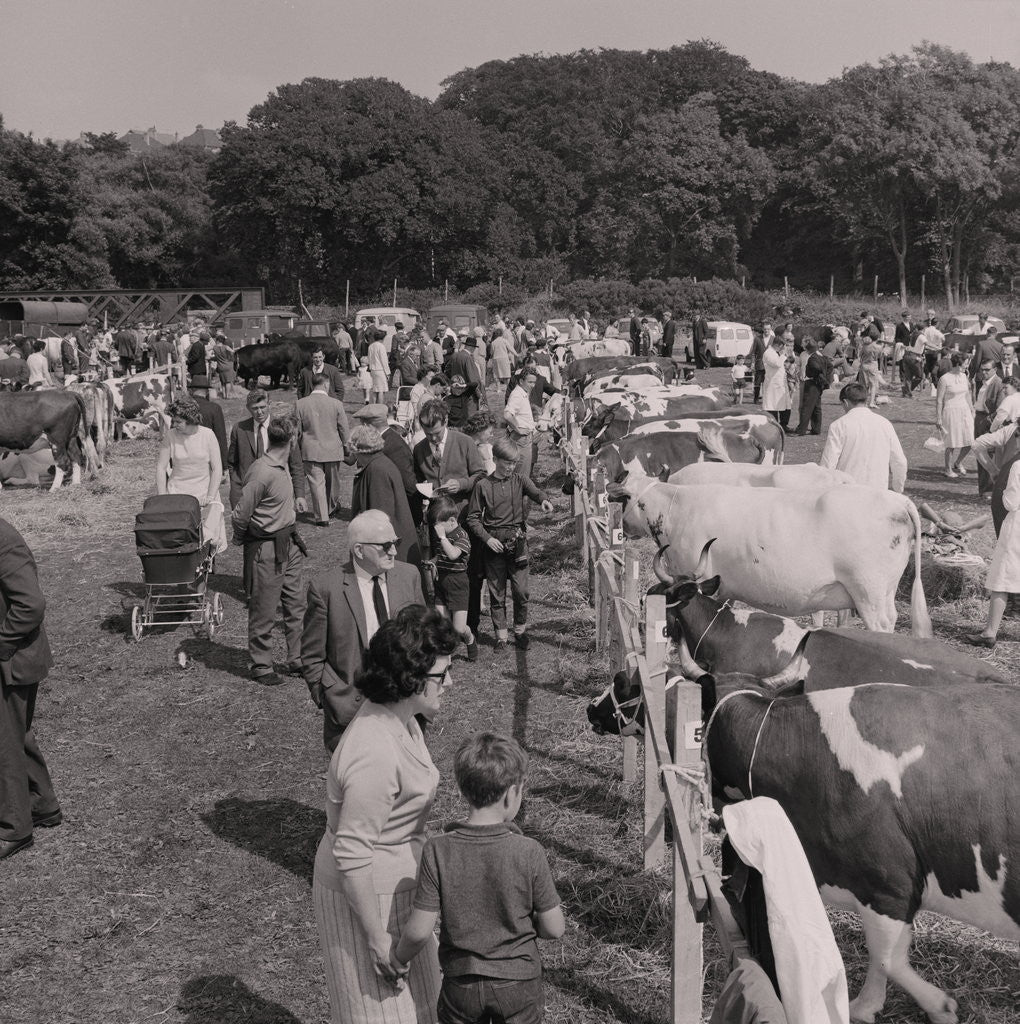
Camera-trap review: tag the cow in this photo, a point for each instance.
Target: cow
(584, 371)
(274, 360)
(903, 798)
(652, 452)
(100, 411)
(626, 381)
(799, 552)
(712, 636)
(610, 423)
(60, 415)
(758, 428)
(808, 476)
(142, 397)
(588, 349)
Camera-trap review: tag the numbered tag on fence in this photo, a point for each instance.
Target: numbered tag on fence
(693, 734)
(602, 500)
(618, 536)
(660, 631)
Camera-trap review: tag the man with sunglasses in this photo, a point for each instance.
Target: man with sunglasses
(343, 612)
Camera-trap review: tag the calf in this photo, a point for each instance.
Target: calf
(61, 415)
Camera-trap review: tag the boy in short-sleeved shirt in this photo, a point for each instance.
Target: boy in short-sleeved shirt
(494, 892)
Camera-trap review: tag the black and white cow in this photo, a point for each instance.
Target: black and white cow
(903, 797)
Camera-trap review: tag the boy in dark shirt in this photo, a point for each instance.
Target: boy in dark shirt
(450, 551)
(496, 516)
(492, 888)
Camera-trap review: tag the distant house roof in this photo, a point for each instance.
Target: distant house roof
(203, 138)
(139, 141)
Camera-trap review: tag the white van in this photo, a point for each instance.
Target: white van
(387, 316)
(726, 340)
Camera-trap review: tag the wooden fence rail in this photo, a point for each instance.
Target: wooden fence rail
(671, 782)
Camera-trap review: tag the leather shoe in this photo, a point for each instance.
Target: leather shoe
(472, 651)
(266, 678)
(294, 668)
(979, 640)
(522, 640)
(9, 847)
(51, 820)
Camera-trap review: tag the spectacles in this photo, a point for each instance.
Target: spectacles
(444, 679)
(386, 545)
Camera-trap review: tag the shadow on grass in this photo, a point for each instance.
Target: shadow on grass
(522, 697)
(216, 656)
(228, 584)
(282, 831)
(571, 983)
(594, 798)
(225, 999)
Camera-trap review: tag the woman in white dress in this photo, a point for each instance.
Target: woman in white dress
(189, 463)
(1003, 576)
(954, 416)
(775, 396)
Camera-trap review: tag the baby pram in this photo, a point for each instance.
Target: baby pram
(176, 562)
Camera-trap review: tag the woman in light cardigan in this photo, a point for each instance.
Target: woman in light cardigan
(379, 791)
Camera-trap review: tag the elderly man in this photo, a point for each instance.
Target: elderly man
(27, 799)
(864, 444)
(264, 524)
(13, 371)
(345, 609)
(323, 433)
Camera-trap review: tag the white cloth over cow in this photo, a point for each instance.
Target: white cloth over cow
(812, 980)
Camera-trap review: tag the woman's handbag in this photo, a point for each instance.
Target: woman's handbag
(935, 442)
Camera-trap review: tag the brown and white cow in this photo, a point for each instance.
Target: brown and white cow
(60, 415)
(143, 397)
(99, 414)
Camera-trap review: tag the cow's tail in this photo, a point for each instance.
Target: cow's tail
(87, 458)
(710, 437)
(920, 622)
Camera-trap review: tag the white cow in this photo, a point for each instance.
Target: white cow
(795, 552)
(584, 349)
(623, 382)
(807, 477)
(653, 401)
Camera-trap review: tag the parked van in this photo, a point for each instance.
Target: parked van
(726, 340)
(457, 316)
(252, 325)
(386, 318)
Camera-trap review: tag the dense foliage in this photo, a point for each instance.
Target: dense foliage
(628, 166)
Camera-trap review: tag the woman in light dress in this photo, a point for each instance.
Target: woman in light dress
(775, 396)
(379, 791)
(189, 463)
(1003, 576)
(954, 416)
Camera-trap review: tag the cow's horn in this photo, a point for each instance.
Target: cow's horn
(702, 566)
(658, 565)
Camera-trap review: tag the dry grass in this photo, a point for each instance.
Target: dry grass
(178, 889)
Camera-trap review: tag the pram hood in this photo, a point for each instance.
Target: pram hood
(169, 523)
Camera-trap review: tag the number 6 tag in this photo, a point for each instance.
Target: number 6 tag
(618, 536)
(603, 499)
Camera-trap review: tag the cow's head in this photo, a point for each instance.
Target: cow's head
(619, 709)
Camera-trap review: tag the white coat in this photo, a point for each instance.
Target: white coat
(775, 396)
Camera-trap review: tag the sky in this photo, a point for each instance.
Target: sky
(110, 65)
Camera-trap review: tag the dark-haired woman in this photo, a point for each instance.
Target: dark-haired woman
(954, 415)
(189, 463)
(379, 791)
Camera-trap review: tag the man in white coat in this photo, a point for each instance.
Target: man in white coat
(864, 444)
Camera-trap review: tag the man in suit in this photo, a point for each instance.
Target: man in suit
(446, 458)
(335, 379)
(323, 433)
(343, 612)
(396, 449)
(248, 442)
(462, 363)
(668, 333)
(212, 417)
(699, 334)
(27, 799)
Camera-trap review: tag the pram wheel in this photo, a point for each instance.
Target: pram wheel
(137, 624)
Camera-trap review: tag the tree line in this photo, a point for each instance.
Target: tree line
(604, 165)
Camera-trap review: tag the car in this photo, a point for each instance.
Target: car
(621, 328)
(314, 328)
(387, 317)
(725, 340)
(965, 323)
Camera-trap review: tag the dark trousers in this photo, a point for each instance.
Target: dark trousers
(910, 373)
(500, 567)
(26, 791)
(931, 362)
(810, 409)
(474, 999)
(759, 379)
(272, 587)
(345, 362)
(475, 575)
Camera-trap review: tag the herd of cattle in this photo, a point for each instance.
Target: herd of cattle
(894, 756)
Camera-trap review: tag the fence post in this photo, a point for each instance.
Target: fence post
(630, 593)
(786, 286)
(580, 489)
(876, 288)
(687, 932)
(922, 295)
(655, 705)
(832, 284)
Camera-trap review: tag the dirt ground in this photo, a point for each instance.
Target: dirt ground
(179, 887)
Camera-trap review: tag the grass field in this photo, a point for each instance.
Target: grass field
(179, 887)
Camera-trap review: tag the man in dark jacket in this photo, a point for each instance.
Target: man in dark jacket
(396, 449)
(27, 799)
(816, 380)
(699, 332)
(668, 333)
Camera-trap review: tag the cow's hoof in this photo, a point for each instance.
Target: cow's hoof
(946, 1013)
(862, 1014)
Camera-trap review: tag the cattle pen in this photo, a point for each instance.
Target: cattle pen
(673, 785)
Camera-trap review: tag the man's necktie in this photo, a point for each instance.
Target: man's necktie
(260, 448)
(378, 601)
